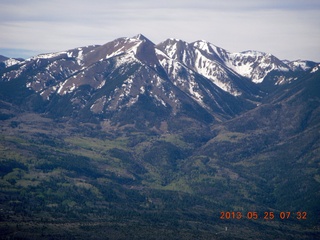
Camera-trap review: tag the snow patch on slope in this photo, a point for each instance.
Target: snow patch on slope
(47, 55)
(315, 69)
(11, 61)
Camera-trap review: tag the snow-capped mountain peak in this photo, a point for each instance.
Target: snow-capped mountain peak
(301, 65)
(206, 47)
(141, 37)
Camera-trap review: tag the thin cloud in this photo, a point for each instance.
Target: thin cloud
(288, 29)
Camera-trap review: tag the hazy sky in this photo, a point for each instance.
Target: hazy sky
(289, 29)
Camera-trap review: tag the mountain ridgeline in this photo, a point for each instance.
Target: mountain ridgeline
(134, 76)
(136, 140)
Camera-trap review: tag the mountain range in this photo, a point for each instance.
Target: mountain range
(146, 139)
(173, 76)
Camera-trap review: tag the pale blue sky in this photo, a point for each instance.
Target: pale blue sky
(289, 29)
